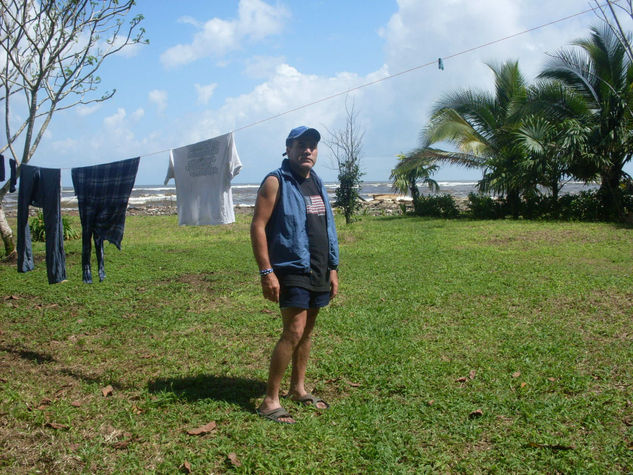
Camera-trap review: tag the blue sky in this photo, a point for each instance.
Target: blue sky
(215, 66)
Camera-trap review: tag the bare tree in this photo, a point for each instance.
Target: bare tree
(346, 146)
(53, 50)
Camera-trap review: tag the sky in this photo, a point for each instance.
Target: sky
(216, 66)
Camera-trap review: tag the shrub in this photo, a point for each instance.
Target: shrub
(38, 229)
(584, 206)
(481, 206)
(440, 206)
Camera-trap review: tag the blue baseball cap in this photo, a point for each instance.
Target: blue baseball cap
(300, 132)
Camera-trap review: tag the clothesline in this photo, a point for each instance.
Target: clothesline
(440, 62)
(398, 74)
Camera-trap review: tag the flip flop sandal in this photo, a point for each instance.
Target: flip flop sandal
(275, 415)
(311, 400)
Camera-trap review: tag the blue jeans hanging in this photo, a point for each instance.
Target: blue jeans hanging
(41, 187)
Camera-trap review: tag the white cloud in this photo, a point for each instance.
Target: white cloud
(138, 114)
(262, 67)
(188, 20)
(115, 120)
(286, 89)
(256, 20)
(158, 97)
(205, 92)
(85, 110)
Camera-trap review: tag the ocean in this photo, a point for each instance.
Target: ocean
(244, 194)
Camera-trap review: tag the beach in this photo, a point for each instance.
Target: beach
(378, 197)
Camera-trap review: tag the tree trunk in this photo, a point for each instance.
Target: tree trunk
(555, 192)
(7, 235)
(514, 202)
(413, 188)
(611, 195)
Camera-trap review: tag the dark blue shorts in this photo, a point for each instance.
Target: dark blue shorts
(299, 297)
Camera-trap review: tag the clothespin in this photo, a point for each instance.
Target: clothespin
(440, 64)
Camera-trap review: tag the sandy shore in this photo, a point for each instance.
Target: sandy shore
(380, 205)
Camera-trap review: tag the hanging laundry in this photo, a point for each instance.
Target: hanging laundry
(102, 193)
(41, 187)
(203, 174)
(14, 175)
(1, 167)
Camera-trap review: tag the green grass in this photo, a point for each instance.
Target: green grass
(536, 316)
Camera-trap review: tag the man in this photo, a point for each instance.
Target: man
(296, 248)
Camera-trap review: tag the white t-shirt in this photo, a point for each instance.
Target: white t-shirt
(203, 173)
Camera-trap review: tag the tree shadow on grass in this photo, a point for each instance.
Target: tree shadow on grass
(29, 355)
(207, 386)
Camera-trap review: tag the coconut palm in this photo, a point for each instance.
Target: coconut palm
(482, 126)
(411, 169)
(600, 72)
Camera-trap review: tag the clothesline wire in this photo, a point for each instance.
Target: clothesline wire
(391, 76)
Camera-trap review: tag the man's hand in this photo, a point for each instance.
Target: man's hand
(333, 283)
(270, 287)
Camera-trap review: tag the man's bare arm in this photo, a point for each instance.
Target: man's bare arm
(264, 205)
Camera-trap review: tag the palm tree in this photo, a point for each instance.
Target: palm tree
(553, 135)
(551, 150)
(482, 126)
(410, 170)
(600, 72)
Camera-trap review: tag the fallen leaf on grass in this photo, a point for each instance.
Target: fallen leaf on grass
(523, 384)
(628, 421)
(463, 379)
(136, 410)
(271, 312)
(472, 374)
(2, 380)
(185, 467)
(516, 374)
(56, 426)
(202, 430)
(330, 381)
(430, 403)
(234, 460)
(476, 413)
(62, 389)
(123, 444)
(12, 297)
(44, 403)
(354, 385)
(107, 391)
(76, 404)
(551, 379)
(534, 445)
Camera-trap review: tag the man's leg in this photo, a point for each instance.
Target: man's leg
(300, 359)
(294, 321)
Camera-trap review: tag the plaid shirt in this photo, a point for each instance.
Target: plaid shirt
(102, 193)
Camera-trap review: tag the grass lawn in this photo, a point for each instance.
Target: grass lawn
(454, 346)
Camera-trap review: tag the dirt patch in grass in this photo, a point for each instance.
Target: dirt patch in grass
(544, 236)
(607, 303)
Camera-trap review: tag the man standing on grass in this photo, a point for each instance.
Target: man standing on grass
(296, 248)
